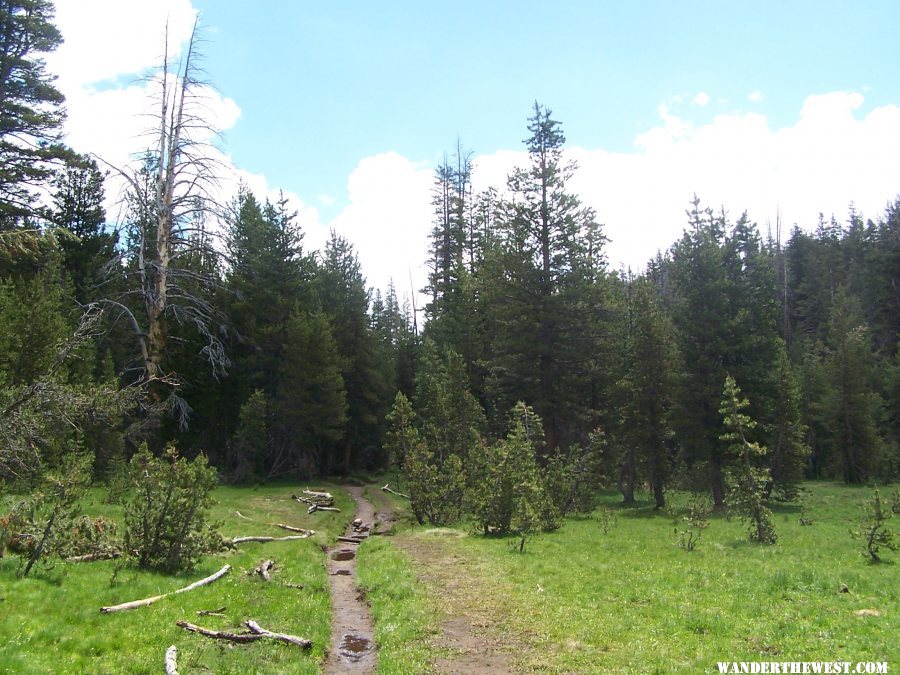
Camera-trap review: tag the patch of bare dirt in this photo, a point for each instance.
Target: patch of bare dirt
(472, 634)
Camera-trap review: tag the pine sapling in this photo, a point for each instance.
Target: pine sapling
(873, 529)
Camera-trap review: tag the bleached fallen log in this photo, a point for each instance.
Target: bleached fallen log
(293, 537)
(91, 557)
(241, 515)
(294, 529)
(219, 634)
(172, 661)
(264, 568)
(317, 507)
(281, 637)
(393, 492)
(149, 601)
(327, 496)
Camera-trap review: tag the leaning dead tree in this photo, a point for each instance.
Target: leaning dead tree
(169, 249)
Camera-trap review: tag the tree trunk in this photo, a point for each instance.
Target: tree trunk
(627, 478)
(717, 483)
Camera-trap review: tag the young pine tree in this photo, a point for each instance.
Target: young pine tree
(748, 483)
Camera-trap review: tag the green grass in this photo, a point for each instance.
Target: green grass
(633, 601)
(50, 622)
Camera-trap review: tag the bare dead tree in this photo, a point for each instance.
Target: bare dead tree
(171, 257)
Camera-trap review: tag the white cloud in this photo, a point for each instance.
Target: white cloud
(701, 99)
(756, 96)
(829, 158)
(388, 218)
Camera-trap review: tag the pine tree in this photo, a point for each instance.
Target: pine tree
(31, 107)
(747, 494)
(789, 451)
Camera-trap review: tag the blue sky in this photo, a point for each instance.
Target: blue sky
(783, 108)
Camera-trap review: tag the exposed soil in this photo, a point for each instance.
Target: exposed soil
(352, 628)
(471, 633)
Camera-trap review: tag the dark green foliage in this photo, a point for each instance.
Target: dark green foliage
(873, 529)
(436, 489)
(746, 498)
(788, 451)
(401, 432)
(310, 402)
(573, 477)
(250, 443)
(507, 491)
(30, 106)
(54, 508)
(166, 511)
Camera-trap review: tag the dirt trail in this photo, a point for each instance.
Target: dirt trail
(470, 630)
(352, 628)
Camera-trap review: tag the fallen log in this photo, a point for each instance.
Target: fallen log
(91, 557)
(281, 637)
(172, 661)
(219, 634)
(264, 568)
(149, 601)
(317, 507)
(393, 492)
(211, 612)
(327, 496)
(294, 537)
(241, 515)
(294, 529)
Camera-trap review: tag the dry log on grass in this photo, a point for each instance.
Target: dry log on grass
(172, 661)
(321, 496)
(149, 601)
(241, 515)
(317, 507)
(281, 637)
(264, 569)
(219, 634)
(211, 612)
(393, 492)
(294, 529)
(91, 557)
(293, 537)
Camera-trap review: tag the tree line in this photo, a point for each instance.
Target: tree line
(216, 328)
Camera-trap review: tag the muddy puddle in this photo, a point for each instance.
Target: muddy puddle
(354, 647)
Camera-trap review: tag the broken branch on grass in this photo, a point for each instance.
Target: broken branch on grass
(149, 601)
(264, 568)
(241, 515)
(172, 661)
(243, 540)
(281, 637)
(211, 612)
(219, 634)
(91, 557)
(316, 507)
(393, 492)
(293, 529)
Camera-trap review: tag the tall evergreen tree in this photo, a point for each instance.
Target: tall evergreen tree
(31, 107)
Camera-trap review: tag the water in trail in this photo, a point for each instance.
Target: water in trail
(352, 628)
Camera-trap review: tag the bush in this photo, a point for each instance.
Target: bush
(165, 513)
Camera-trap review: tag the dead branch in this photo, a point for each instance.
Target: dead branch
(219, 634)
(282, 637)
(211, 612)
(393, 492)
(293, 529)
(91, 557)
(242, 540)
(241, 515)
(149, 601)
(264, 568)
(316, 507)
(326, 496)
(172, 661)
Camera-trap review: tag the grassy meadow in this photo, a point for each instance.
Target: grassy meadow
(577, 600)
(50, 622)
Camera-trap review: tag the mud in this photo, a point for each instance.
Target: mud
(352, 628)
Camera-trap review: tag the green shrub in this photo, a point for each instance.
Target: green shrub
(165, 513)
